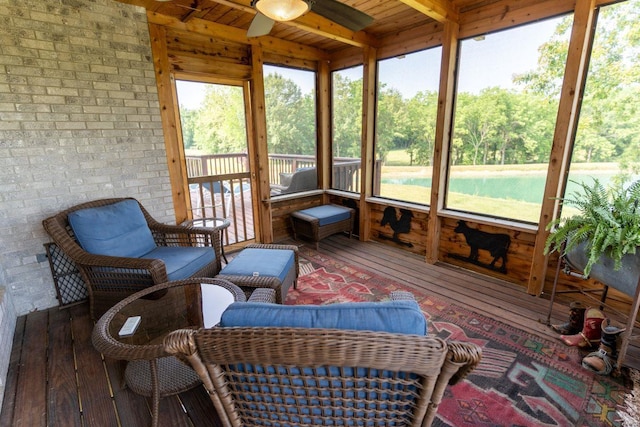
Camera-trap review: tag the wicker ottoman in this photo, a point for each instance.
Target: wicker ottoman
(264, 266)
(322, 221)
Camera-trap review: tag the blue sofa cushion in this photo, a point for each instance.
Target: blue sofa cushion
(182, 262)
(265, 262)
(119, 230)
(328, 214)
(402, 317)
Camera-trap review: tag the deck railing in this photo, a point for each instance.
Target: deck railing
(224, 196)
(346, 170)
(219, 186)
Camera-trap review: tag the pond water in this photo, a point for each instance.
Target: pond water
(526, 188)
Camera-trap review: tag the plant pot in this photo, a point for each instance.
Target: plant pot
(625, 279)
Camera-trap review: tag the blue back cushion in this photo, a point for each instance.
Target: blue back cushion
(328, 214)
(266, 262)
(402, 317)
(119, 229)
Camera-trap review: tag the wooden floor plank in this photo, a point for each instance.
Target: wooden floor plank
(9, 400)
(63, 405)
(199, 407)
(132, 408)
(172, 413)
(31, 402)
(93, 386)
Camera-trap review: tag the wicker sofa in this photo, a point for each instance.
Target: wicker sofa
(120, 249)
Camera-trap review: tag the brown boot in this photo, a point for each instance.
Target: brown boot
(603, 361)
(591, 330)
(576, 320)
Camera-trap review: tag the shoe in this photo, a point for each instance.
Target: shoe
(576, 320)
(603, 361)
(591, 330)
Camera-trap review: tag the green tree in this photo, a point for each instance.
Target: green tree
(347, 116)
(290, 117)
(218, 126)
(421, 112)
(391, 122)
(609, 125)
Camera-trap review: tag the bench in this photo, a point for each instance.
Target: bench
(322, 221)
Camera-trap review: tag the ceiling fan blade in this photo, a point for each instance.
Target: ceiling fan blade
(260, 26)
(342, 14)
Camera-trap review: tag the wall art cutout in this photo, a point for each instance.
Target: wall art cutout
(496, 244)
(398, 225)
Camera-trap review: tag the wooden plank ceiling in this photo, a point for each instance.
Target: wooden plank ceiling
(389, 18)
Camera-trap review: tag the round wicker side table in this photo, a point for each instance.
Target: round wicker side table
(150, 371)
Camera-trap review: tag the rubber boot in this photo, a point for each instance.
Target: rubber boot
(591, 330)
(603, 361)
(576, 320)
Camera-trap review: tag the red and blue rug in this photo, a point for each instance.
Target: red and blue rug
(523, 380)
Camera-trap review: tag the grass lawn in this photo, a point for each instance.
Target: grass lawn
(397, 166)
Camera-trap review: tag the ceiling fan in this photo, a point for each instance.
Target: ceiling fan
(270, 11)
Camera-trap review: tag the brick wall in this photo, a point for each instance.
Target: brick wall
(79, 120)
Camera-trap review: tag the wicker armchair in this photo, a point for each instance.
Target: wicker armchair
(311, 376)
(110, 279)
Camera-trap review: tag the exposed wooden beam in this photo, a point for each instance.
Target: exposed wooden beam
(436, 9)
(212, 29)
(315, 24)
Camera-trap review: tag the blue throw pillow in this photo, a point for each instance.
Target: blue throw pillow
(401, 317)
(119, 229)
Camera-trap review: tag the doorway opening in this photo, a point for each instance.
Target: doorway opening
(213, 121)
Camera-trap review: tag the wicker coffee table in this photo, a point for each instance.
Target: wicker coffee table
(195, 302)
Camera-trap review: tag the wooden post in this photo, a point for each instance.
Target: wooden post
(368, 133)
(170, 123)
(563, 138)
(443, 137)
(324, 161)
(260, 164)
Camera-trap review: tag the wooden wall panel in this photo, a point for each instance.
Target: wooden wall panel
(453, 249)
(201, 54)
(508, 13)
(414, 241)
(179, 41)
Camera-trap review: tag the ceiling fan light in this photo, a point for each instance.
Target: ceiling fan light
(282, 10)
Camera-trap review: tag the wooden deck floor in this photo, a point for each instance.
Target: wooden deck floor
(56, 378)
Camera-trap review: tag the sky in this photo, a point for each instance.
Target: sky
(482, 65)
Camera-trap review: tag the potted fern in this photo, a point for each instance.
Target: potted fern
(602, 238)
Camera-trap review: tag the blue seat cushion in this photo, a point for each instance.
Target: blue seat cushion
(182, 262)
(401, 317)
(328, 214)
(265, 262)
(119, 229)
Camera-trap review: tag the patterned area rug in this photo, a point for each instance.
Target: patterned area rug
(523, 380)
